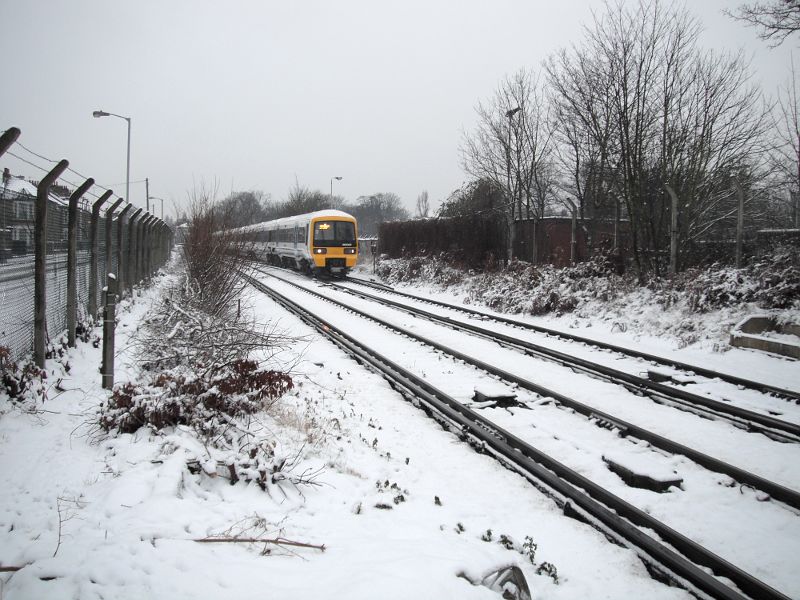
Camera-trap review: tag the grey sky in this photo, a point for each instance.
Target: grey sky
(252, 95)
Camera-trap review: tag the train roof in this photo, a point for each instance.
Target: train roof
(294, 219)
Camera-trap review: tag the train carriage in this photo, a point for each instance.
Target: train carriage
(324, 241)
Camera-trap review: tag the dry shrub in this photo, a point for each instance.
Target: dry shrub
(200, 403)
(772, 281)
(519, 287)
(21, 380)
(200, 375)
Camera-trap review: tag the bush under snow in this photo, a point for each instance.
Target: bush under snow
(679, 306)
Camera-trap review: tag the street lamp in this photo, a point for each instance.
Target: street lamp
(162, 204)
(337, 179)
(101, 113)
(510, 113)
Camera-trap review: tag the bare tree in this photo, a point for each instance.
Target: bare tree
(372, 210)
(423, 205)
(638, 105)
(301, 200)
(243, 208)
(776, 19)
(786, 157)
(511, 147)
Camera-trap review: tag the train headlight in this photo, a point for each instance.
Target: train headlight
(349, 250)
(320, 250)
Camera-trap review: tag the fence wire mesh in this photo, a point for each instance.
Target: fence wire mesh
(17, 264)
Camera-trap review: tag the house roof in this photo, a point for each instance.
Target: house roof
(19, 185)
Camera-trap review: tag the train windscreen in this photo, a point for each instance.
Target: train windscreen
(334, 233)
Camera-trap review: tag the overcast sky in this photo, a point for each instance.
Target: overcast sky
(258, 94)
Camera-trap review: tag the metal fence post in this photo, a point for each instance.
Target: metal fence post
(109, 317)
(72, 260)
(143, 246)
(40, 263)
(95, 222)
(109, 231)
(121, 266)
(140, 242)
(147, 240)
(673, 231)
(155, 246)
(739, 223)
(131, 262)
(158, 245)
(8, 138)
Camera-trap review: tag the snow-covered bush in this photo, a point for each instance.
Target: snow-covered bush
(20, 381)
(593, 291)
(773, 281)
(206, 404)
(207, 371)
(520, 287)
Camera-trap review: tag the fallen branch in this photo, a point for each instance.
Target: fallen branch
(276, 541)
(10, 569)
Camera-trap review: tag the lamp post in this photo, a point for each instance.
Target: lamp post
(510, 113)
(162, 204)
(101, 113)
(337, 179)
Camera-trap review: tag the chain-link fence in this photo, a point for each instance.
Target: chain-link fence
(132, 245)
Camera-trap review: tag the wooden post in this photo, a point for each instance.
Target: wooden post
(40, 263)
(121, 266)
(95, 222)
(739, 223)
(109, 317)
(673, 231)
(72, 260)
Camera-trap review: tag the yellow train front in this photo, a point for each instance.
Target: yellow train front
(333, 242)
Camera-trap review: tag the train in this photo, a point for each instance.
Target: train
(321, 242)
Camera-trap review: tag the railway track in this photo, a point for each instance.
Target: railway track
(777, 491)
(630, 352)
(746, 419)
(673, 558)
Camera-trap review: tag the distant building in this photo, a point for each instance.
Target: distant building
(17, 216)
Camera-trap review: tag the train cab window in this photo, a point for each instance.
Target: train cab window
(334, 233)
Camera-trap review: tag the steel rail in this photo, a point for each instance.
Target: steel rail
(733, 379)
(744, 416)
(778, 492)
(609, 513)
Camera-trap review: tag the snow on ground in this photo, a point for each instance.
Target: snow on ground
(637, 318)
(708, 507)
(401, 506)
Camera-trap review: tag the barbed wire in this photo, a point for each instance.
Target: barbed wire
(70, 169)
(64, 180)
